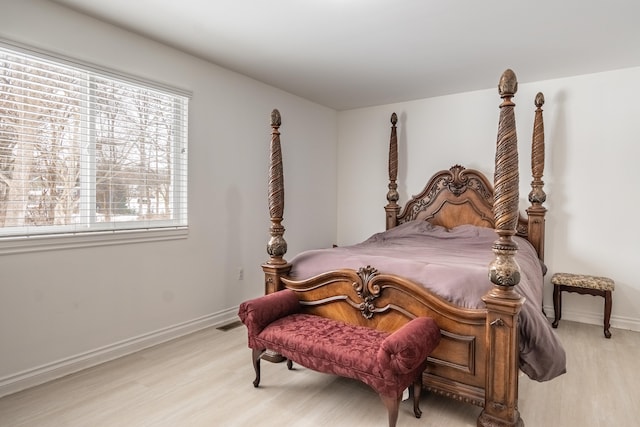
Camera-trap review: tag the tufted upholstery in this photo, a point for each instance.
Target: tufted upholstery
(387, 362)
(583, 281)
(260, 312)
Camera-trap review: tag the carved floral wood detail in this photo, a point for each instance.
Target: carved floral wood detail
(367, 291)
(457, 180)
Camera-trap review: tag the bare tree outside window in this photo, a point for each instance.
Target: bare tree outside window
(84, 152)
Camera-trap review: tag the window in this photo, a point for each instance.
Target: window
(84, 151)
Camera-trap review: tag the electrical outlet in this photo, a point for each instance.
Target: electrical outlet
(240, 274)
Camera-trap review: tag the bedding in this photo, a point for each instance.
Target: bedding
(452, 263)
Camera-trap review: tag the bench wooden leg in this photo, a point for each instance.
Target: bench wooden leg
(392, 404)
(255, 358)
(607, 313)
(417, 390)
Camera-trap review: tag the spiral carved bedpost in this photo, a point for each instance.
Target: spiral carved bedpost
(537, 196)
(277, 246)
(392, 208)
(503, 302)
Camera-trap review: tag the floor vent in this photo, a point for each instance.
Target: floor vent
(229, 326)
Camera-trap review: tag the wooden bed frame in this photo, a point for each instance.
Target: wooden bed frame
(477, 360)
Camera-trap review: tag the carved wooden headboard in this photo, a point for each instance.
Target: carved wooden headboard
(455, 197)
(465, 196)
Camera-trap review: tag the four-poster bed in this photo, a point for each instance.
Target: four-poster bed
(484, 342)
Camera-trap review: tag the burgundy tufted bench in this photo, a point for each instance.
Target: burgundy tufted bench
(387, 362)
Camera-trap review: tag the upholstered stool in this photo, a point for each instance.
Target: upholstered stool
(582, 284)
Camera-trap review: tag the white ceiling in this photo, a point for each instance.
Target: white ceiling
(353, 53)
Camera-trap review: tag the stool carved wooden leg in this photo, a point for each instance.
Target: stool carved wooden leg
(557, 305)
(607, 313)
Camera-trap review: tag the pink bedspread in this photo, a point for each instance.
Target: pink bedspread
(452, 264)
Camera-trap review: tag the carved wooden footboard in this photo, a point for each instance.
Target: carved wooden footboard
(386, 302)
(477, 359)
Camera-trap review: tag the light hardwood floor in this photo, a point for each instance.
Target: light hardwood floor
(204, 379)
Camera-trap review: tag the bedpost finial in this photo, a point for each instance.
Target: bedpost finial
(539, 99)
(508, 84)
(394, 118)
(276, 120)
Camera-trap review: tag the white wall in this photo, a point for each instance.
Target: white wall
(592, 147)
(62, 309)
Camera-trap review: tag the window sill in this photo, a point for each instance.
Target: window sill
(17, 245)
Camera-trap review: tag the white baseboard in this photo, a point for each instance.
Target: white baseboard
(50, 371)
(592, 318)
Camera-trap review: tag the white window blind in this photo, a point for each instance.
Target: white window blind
(82, 151)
